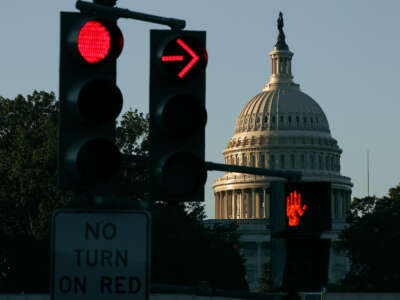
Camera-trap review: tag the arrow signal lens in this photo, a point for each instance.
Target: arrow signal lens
(188, 56)
(172, 58)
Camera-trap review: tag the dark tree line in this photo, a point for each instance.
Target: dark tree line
(372, 242)
(184, 252)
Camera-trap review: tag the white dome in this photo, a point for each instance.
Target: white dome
(281, 109)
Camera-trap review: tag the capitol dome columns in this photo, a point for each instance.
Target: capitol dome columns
(242, 203)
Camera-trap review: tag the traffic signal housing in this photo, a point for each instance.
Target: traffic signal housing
(90, 102)
(177, 115)
(300, 212)
(307, 264)
(308, 208)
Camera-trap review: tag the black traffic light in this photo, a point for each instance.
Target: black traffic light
(177, 115)
(307, 264)
(300, 212)
(90, 101)
(308, 207)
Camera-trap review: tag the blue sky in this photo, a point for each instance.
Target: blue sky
(345, 57)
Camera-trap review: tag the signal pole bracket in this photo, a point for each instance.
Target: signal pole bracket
(115, 12)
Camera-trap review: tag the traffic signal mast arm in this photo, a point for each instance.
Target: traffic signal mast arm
(290, 175)
(115, 12)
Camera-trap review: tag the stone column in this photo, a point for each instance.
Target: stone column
(234, 198)
(229, 204)
(333, 197)
(226, 204)
(253, 204)
(241, 203)
(266, 204)
(342, 196)
(216, 211)
(221, 205)
(244, 203)
(258, 203)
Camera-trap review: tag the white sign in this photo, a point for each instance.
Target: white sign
(100, 255)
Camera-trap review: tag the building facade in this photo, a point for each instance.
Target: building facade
(280, 128)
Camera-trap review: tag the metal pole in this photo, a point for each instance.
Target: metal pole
(103, 10)
(290, 175)
(368, 173)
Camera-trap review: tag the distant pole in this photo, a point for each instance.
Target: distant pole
(368, 173)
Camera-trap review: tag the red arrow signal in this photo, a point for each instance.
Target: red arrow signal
(189, 65)
(172, 58)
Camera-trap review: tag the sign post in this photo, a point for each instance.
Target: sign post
(100, 255)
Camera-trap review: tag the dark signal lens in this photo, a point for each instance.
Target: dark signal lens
(183, 115)
(98, 160)
(183, 174)
(100, 101)
(98, 40)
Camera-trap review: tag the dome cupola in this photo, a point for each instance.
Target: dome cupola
(280, 128)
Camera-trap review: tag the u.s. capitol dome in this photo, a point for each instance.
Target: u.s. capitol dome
(280, 128)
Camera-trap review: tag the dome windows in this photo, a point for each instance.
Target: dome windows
(272, 161)
(252, 160)
(327, 161)
(312, 161)
(282, 161)
(261, 163)
(292, 161)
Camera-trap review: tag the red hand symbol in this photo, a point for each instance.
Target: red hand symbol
(293, 208)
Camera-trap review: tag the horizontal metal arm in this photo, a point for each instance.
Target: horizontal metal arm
(97, 9)
(290, 175)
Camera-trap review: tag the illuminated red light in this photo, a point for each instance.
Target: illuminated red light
(294, 210)
(194, 56)
(94, 42)
(172, 58)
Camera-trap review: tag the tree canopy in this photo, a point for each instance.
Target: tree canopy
(183, 250)
(372, 242)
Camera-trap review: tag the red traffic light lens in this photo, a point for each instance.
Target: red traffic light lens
(99, 40)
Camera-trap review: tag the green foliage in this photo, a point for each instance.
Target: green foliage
(28, 144)
(264, 283)
(183, 250)
(132, 133)
(372, 242)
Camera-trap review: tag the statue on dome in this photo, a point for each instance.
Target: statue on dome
(280, 22)
(281, 44)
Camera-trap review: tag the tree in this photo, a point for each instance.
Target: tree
(372, 242)
(264, 281)
(183, 250)
(28, 191)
